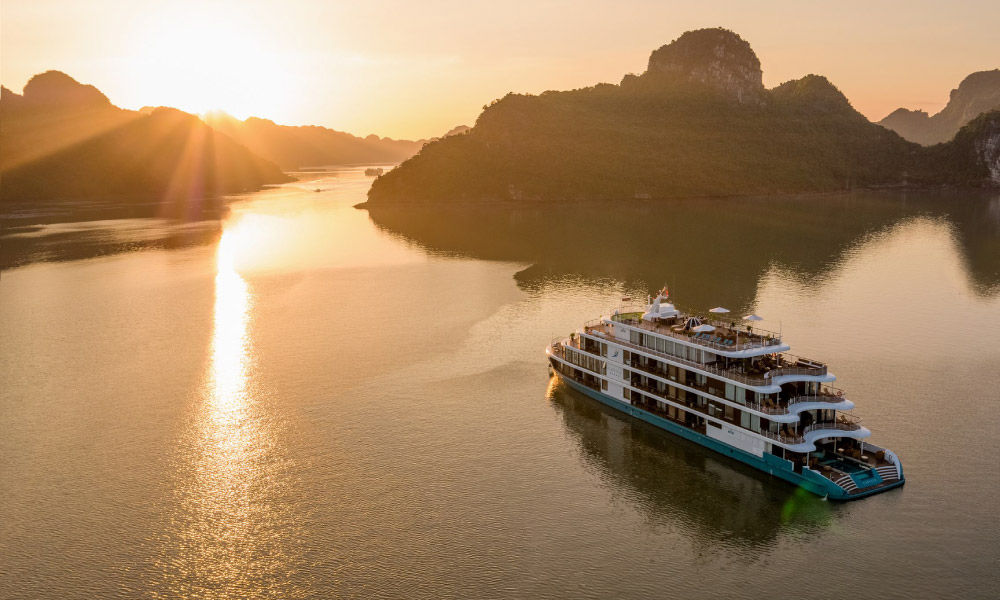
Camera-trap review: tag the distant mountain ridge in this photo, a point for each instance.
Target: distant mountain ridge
(61, 139)
(978, 93)
(294, 147)
(698, 122)
(64, 140)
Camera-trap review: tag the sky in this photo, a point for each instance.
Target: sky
(408, 70)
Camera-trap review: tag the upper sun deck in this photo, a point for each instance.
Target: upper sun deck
(766, 371)
(726, 336)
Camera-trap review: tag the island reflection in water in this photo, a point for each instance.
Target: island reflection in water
(319, 406)
(705, 248)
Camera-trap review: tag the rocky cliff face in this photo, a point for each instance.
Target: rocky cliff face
(715, 57)
(978, 93)
(987, 145)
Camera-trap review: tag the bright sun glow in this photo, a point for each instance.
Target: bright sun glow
(229, 338)
(201, 62)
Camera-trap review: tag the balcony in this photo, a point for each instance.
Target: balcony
(844, 422)
(826, 394)
(760, 375)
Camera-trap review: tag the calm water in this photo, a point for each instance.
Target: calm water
(308, 400)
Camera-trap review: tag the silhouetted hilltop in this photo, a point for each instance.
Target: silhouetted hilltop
(978, 93)
(65, 140)
(296, 147)
(698, 122)
(715, 57)
(54, 112)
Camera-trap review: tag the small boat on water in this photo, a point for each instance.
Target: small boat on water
(732, 387)
(373, 171)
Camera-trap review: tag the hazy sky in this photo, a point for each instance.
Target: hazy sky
(414, 69)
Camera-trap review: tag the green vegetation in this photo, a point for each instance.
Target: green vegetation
(702, 125)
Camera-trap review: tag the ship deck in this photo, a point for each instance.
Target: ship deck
(727, 336)
(731, 368)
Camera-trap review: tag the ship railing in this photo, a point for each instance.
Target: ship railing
(731, 373)
(684, 312)
(889, 457)
(754, 406)
(789, 364)
(758, 338)
(827, 394)
(844, 422)
(748, 345)
(782, 437)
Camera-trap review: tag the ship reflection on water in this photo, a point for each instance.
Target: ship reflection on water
(716, 502)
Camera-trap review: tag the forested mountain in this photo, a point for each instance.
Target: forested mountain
(697, 122)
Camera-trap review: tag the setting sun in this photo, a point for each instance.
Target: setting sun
(199, 61)
(451, 299)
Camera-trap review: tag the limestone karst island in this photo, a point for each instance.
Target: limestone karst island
(327, 299)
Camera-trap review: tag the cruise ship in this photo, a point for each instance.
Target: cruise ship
(731, 386)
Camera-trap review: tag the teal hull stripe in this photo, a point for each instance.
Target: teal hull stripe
(773, 465)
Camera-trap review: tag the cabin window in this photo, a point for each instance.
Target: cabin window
(745, 419)
(635, 337)
(729, 412)
(661, 344)
(604, 384)
(730, 391)
(627, 393)
(714, 424)
(755, 423)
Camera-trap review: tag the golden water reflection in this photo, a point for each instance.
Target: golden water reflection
(234, 536)
(228, 379)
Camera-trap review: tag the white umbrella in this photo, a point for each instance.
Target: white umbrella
(692, 322)
(704, 328)
(719, 310)
(753, 318)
